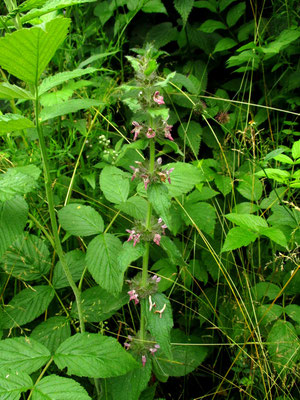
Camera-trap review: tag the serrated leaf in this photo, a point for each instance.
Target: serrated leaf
(23, 354)
(27, 305)
(13, 383)
(162, 34)
(158, 197)
(224, 44)
(203, 215)
(13, 216)
(249, 221)
(277, 174)
(68, 107)
(63, 77)
(224, 4)
(9, 92)
(268, 313)
(14, 122)
(265, 289)
(235, 13)
(115, 184)
(283, 158)
(80, 220)
(275, 234)
(167, 272)
(52, 333)
(160, 325)
(102, 262)
(27, 258)
(75, 260)
(191, 134)
(250, 187)
(135, 206)
(223, 184)
(172, 250)
(25, 53)
(55, 387)
(187, 355)
(129, 253)
(97, 304)
(286, 37)
(238, 237)
(154, 6)
(293, 311)
(283, 346)
(14, 182)
(184, 177)
(184, 8)
(296, 150)
(93, 356)
(211, 25)
(206, 4)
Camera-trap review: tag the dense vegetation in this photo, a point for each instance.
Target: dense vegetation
(149, 226)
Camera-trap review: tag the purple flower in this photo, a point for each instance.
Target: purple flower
(157, 238)
(136, 130)
(167, 130)
(144, 360)
(154, 349)
(158, 99)
(156, 278)
(150, 133)
(146, 182)
(127, 345)
(135, 172)
(133, 236)
(168, 173)
(133, 296)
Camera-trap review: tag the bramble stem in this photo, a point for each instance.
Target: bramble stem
(50, 200)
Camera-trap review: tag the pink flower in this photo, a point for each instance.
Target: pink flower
(127, 345)
(144, 360)
(156, 278)
(133, 296)
(157, 238)
(135, 171)
(168, 173)
(150, 133)
(167, 130)
(136, 130)
(133, 236)
(158, 99)
(146, 182)
(154, 349)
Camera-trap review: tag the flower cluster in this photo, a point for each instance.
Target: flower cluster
(159, 174)
(141, 348)
(138, 290)
(140, 232)
(150, 133)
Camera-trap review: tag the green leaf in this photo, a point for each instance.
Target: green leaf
(187, 353)
(191, 134)
(93, 356)
(283, 158)
(172, 250)
(249, 221)
(52, 333)
(275, 234)
(283, 346)
(296, 150)
(202, 214)
(281, 215)
(286, 37)
(115, 184)
(159, 325)
(135, 206)
(98, 305)
(154, 6)
(128, 254)
(23, 354)
(162, 34)
(268, 313)
(265, 289)
(13, 383)
(184, 177)
(122, 387)
(167, 271)
(63, 77)
(27, 305)
(293, 311)
(14, 182)
(27, 258)
(224, 4)
(184, 8)
(13, 217)
(277, 174)
(14, 122)
(238, 237)
(235, 13)
(102, 262)
(55, 387)
(68, 107)
(212, 6)
(9, 92)
(211, 25)
(25, 53)
(223, 184)
(202, 193)
(158, 197)
(224, 44)
(75, 260)
(250, 187)
(80, 220)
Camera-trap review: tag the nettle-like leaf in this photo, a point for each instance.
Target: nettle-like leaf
(23, 354)
(223, 183)
(115, 184)
(14, 122)
(158, 197)
(80, 220)
(211, 25)
(296, 150)
(55, 387)
(250, 187)
(265, 289)
(16, 181)
(98, 305)
(75, 260)
(27, 258)
(26, 53)
(135, 206)
(27, 305)
(184, 8)
(283, 346)
(68, 107)
(268, 313)
(191, 134)
(13, 217)
(102, 262)
(202, 214)
(52, 333)
(249, 221)
(13, 383)
(235, 13)
(160, 324)
(224, 44)
(153, 6)
(183, 178)
(93, 356)
(238, 237)
(293, 311)
(9, 92)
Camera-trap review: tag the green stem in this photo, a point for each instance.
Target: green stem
(147, 245)
(50, 200)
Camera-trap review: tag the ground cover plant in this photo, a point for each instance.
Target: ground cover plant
(149, 235)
